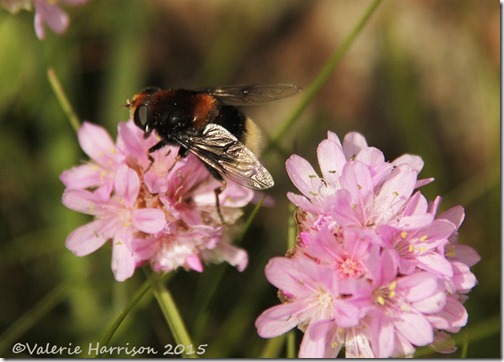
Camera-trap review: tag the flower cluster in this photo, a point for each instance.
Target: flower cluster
(47, 12)
(376, 269)
(162, 212)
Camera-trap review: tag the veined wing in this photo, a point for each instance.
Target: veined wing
(224, 153)
(247, 95)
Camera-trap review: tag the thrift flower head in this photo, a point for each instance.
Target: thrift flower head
(47, 12)
(163, 214)
(375, 270)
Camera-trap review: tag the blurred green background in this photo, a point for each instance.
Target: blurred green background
(421, 78)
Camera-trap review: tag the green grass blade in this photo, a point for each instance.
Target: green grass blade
(171, 314)
(63, 99)
(144, 289)
(273, 347)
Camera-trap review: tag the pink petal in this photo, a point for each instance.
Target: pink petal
(38, 24)
(346, 313)
(149, 220)
(353, 143)
(127, 184)
(318, 341)
(304, 177)
(334, 137)
(382, 335)
(344, 211)
(86, 239)
(416, 205)
(226, 252)
(97, 144)
(357, 345)
(402, 348)
(443, 342)
(194, 263)
(82, 177)
(371, 156)
(299, 276)
(414, 221)
(415, 328)
(462, 278)
(434, 205)
(50, 14)
(388, 267)
(356, 178)
(454, 315)
(235, 195)
(413, 161)
(278, 319)
(439, 230)
(80, 201)
(423, 182)
(435, 263)
(464, 253)
(331, 161)
(417, 286)
(123, 261)
(144, 248)
(432, 304)
(394, 193)
(303, 203)
(130, 141)
(455, 215)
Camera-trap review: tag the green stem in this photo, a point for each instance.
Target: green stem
(273, 347)
(322, 77)
(172, 315)
(63, 100)
(251, 218)
(291, 344)
(291, 228)
(118, 321)
(204, 295)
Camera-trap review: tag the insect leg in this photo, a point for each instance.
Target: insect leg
(182, 152)
(218, 190)
(154, 148)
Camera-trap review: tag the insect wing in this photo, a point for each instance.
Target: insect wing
(222, 151)
(246, 95)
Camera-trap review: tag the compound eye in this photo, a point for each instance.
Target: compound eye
(141, 117)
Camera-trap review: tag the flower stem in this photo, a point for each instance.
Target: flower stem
(63, 100)
(322, 77)
(291, 228)
(291, 344)
(171, 314)
(273, 347)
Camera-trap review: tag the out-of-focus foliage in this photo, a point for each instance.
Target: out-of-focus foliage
(421, 78)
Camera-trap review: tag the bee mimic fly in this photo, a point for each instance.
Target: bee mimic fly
(207, 124)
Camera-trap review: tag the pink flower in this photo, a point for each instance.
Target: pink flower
(118, 218)
(99, 173)
(311, 295)
(372, 243)
(50, 14)
(358, 187)
(47, 12)
(164, 214)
